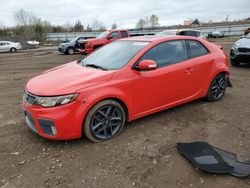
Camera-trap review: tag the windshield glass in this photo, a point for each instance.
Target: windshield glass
(247, 36)
(73, 40)
(103, 35)
(114, 55)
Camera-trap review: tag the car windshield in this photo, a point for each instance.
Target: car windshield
(114, 55)
(103, 35)
(247, 36)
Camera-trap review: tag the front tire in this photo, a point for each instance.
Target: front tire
(104, 121)
(217, 88)
(13, 50)
(70, 51)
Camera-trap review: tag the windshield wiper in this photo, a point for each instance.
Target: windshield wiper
(95, 66)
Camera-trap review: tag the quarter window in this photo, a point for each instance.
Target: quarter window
(167, 53)
(124, 34)
(196, 49)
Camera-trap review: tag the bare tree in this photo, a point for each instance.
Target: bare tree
(78, 27)
(24, 18)
(114, 26)
(140, 24)
(98, 25)
(154, 21)
(146, 22)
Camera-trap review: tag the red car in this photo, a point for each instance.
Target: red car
(106, 37)
(123, 81)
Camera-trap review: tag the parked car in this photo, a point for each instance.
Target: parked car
(166, 33)
(70, 47)
(89, 45)
(123, 81)
(33, 44)
(247, 31)
(189, 32)
(240, 52)
(8, 46)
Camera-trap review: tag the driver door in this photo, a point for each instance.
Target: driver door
(114, 36)
(166, 85)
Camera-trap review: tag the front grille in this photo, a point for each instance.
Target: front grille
(244, 49)
(28, 98)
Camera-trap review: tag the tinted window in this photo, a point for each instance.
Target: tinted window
(167, 53)
(196, 49)
(124, 34)
(115, 35)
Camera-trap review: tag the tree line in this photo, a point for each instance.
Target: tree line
(30, 27)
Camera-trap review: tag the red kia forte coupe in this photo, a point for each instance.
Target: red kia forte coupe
(123, 81)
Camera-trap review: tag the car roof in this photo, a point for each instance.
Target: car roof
(156, 38)
(180, 30)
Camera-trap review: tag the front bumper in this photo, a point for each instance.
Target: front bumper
(61, 49)
(56, 123)
(85, 51)
(235, 55)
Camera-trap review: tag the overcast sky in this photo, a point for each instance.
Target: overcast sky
(125, 12)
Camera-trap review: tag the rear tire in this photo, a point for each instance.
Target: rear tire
(13, 50)
(217, 88)
(104, 121)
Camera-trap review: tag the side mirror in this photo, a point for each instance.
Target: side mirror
(109, 37)
(147, 65)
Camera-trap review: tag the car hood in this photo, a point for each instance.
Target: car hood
(66, 79)
(243, 43)
(94, 40)
(65, 44)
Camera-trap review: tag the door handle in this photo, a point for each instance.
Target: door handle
(189, 71)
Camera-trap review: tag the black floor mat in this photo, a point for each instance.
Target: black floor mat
(212, 159)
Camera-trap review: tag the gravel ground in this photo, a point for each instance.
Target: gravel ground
(144, 155)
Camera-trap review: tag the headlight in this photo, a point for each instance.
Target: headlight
(55, 101)
(236, 44)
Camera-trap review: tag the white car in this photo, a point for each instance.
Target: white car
(185, 32)
(7, 46)
(190, 32)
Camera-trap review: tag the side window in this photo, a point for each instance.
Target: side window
(124, 34)
(196, 49)
(115, 35)
(167, 53)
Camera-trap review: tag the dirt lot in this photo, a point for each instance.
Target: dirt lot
(144, 155)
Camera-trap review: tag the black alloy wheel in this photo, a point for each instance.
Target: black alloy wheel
(217, 88)
(104, 121)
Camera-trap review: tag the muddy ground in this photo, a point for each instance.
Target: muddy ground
(144, 155)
